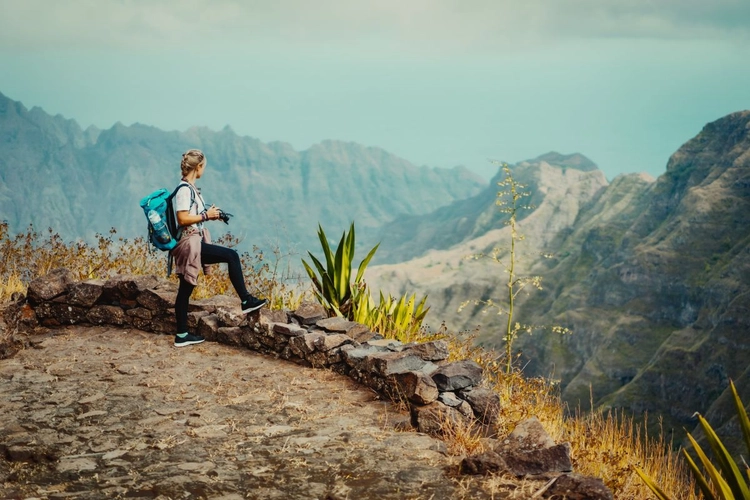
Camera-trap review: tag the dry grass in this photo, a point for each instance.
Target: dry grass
(462, 437)
(31, 254)
(608, 445)
(604, 445)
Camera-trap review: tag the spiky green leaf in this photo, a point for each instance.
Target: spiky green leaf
(321, 270)
(309, 270)
(721, 486)
(660, 495)
(741, 415)
(708, 494)
(326, 248)
(727, 465)
(365, 262)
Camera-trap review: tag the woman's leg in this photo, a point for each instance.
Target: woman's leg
(216, 254)
(181, 304)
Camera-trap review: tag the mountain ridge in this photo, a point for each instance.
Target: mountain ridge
(53, 173)
(474, 216)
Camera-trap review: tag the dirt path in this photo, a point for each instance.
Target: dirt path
(111, 413)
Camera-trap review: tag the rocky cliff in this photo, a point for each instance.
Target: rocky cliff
(652, 277)
(559, 192)
(83, 182)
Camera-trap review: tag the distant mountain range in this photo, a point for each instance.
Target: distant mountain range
(83, 182)
(652, 276)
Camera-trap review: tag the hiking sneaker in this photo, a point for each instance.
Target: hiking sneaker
(188, 339)
(251, 304)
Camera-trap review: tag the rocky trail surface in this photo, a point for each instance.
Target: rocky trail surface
(95, 412)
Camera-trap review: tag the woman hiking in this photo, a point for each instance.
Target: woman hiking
(195, 251)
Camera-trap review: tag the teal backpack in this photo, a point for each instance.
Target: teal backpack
(162, 222)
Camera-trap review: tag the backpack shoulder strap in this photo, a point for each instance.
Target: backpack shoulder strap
(190, 186)
(182, 183)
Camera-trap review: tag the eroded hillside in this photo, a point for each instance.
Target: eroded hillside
(652, 277)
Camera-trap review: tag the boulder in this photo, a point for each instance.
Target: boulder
(52, 285)
(85, 293)
(230, 316)
(23, 316)
(308, 313)
(354, 330)
(139, 317)
(55, 314)
(208, 326)
(164, 323)
(250, 339)
(327, 342)
(230, 335)
(416, 387)
(553, 459)
(432, 418)
(389, 363)
(436, 350)
(289, 330)
(485, 463)
(159, 298)
(528, 435)
(194, 317)
(322, 359)
(450, 399)
(356, 358)
(217, 302)
(484, 403)
(108, 315)
(126, 288)
(304, 345)
(579, 487)
(9, 345)
(389, 344)
(457, 375)
(267, 316)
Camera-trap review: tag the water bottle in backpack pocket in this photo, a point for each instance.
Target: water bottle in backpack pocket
(161, 232)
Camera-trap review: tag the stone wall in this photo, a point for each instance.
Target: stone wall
(436, 390)
(418, 373)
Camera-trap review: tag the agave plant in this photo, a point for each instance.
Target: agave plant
(723, 480)
(393, 318)
(403, 317)
(332, 283)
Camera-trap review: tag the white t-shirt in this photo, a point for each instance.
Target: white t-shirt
(182, 202)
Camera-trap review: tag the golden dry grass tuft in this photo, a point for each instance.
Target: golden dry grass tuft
(611, 445)
(604, 445)
(31, 254)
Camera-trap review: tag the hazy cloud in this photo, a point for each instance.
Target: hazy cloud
(420, 24)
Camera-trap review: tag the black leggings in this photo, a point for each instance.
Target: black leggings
(210, 254)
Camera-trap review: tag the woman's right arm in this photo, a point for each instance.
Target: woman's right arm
(185, 218)
(184, 202)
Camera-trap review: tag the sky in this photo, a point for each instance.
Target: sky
(438, 82)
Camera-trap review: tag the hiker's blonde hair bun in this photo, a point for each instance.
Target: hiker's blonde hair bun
(191, 159)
